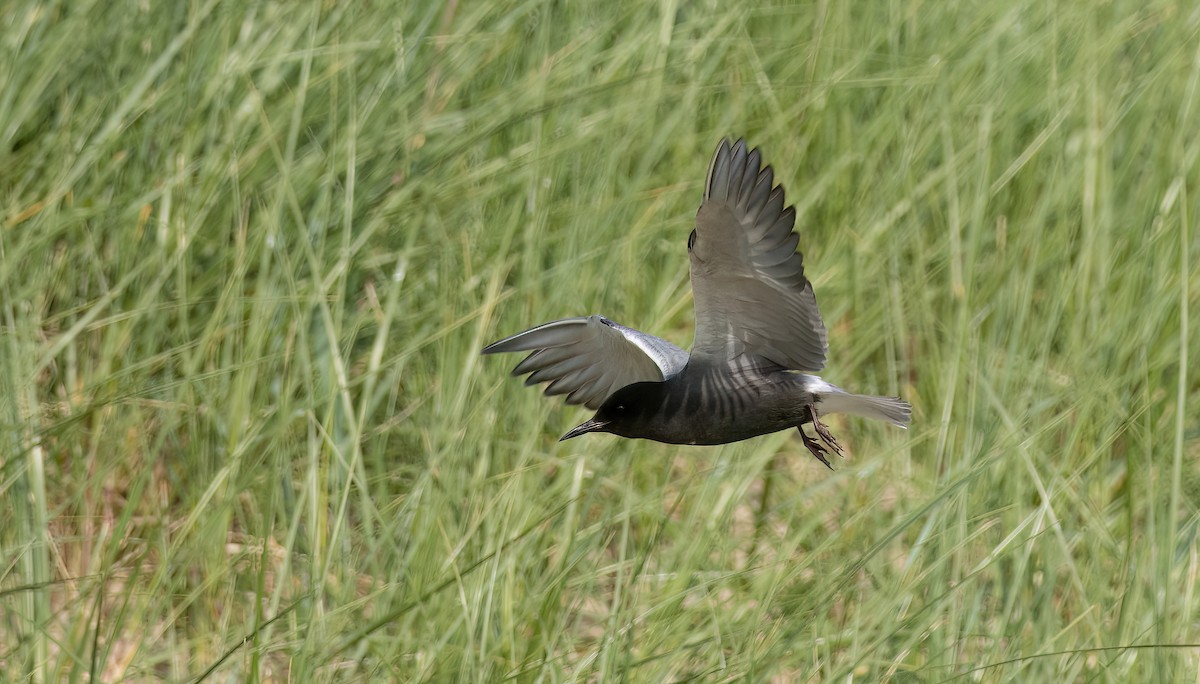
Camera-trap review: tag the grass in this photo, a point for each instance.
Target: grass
(249, 254)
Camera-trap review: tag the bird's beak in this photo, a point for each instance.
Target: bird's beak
(592, 425)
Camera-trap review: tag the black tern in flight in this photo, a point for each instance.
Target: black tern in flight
(757, 331)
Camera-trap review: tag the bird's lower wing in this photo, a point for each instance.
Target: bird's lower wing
(588, 358)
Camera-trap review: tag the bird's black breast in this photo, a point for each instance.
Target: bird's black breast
(717, 405)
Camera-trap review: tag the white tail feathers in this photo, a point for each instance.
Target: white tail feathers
(891, 409)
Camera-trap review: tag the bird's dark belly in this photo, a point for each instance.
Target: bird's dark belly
(767, 411)
(731, 432)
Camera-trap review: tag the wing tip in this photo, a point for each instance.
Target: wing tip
(533, 338)
(718, 154)
(734, 170)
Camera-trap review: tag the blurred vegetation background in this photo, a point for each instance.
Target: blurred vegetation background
(249, 253)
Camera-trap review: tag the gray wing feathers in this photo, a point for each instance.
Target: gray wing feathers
(751, 294)
(669, 358)
(589, 358)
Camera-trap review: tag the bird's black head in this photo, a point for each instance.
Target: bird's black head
(625, 413)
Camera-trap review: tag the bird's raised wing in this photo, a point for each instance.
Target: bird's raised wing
(751, 295)
(589, 358)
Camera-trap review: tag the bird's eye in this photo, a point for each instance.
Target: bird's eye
(692, 239)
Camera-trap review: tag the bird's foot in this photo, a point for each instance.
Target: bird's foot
(822, 431)
(815, 447)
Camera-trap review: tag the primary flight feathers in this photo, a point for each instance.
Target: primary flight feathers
(589, 358)
(750, 292)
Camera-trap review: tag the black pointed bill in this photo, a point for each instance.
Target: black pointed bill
(592, 425)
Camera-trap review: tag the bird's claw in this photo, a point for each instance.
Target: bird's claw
(815, 447)
(822, 431)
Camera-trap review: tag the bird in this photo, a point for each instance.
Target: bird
(759, 336)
